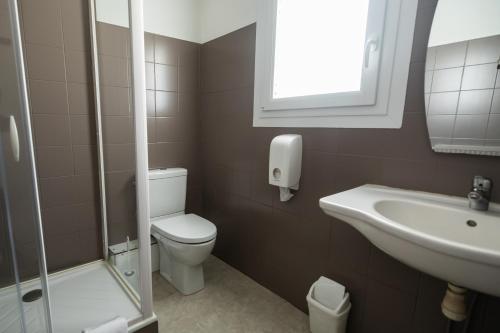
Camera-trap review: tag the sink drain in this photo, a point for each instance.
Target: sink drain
(471, 223)
(32, 296)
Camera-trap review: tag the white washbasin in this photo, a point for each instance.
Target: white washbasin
(429, 232)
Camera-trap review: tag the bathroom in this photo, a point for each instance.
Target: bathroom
(115, 114)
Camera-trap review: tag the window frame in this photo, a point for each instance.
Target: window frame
(385, 109)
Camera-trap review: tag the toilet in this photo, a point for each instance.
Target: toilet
(186, 240)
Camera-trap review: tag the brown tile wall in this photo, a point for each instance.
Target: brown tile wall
(172, 82)
(57, 48)
(19, 186)
(113, 43)
(58, 67)
(286, 246)
(60, 83)
(172, 108)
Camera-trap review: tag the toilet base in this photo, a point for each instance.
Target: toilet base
(186, 279)
(187, 276)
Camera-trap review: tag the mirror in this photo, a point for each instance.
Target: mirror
(462, 81)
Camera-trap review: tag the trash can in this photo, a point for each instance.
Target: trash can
(329, 306)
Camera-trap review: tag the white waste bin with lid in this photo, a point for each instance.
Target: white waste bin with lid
(329, 306)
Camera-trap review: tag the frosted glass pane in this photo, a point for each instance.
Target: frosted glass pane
(319, 47)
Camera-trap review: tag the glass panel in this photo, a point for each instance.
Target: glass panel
(21, 257)
(313, 53)
(113, 48)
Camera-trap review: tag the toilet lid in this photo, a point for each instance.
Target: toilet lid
(189, 228)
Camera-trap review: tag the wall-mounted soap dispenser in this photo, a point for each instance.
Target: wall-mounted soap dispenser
(285, 163)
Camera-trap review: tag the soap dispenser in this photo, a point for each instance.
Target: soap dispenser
(285, 164)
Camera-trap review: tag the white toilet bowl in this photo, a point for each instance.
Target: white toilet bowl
(181, 264)
(185, 241)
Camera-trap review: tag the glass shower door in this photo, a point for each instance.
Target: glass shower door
(120, 90)
(24, 299)
(115, 109)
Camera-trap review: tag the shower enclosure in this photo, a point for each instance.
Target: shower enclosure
(114, 109)
(55, 272)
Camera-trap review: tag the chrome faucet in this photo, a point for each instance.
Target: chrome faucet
(479, 196)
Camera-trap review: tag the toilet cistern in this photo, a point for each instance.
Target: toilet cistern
(285, 163)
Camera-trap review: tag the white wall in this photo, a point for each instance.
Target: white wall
(172, 18)
(220, 17)
(459, 20)
(112, 12)
(193, 20)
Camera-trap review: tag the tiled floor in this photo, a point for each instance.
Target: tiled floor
(230, 302)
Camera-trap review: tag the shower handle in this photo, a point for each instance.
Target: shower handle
(14, 137)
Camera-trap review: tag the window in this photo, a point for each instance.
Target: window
(323, 55)
(325, 63)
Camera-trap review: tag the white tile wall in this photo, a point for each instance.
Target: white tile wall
(462, 92)
(430, 59)
(470, 127)
(446, 80)
(441, 126)
(428, 81)
(444, 103)
(475, 101)
(493, 132)
(451, 55)
(479, 77)
(495, 105)
(484, 50)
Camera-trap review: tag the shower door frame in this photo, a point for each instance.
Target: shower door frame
(98, 120)
(142, 194)
(141, 151)
(136, 18)
(25, 113)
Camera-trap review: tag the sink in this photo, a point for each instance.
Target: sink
(436, 234)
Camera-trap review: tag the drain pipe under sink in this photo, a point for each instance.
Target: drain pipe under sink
(454, 308)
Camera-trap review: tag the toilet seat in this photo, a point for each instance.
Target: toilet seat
(188, 229)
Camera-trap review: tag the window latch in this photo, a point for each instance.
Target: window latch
(370, 46)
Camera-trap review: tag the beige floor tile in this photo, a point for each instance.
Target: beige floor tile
(230, 302)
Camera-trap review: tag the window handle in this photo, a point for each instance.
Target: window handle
(370, 46)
